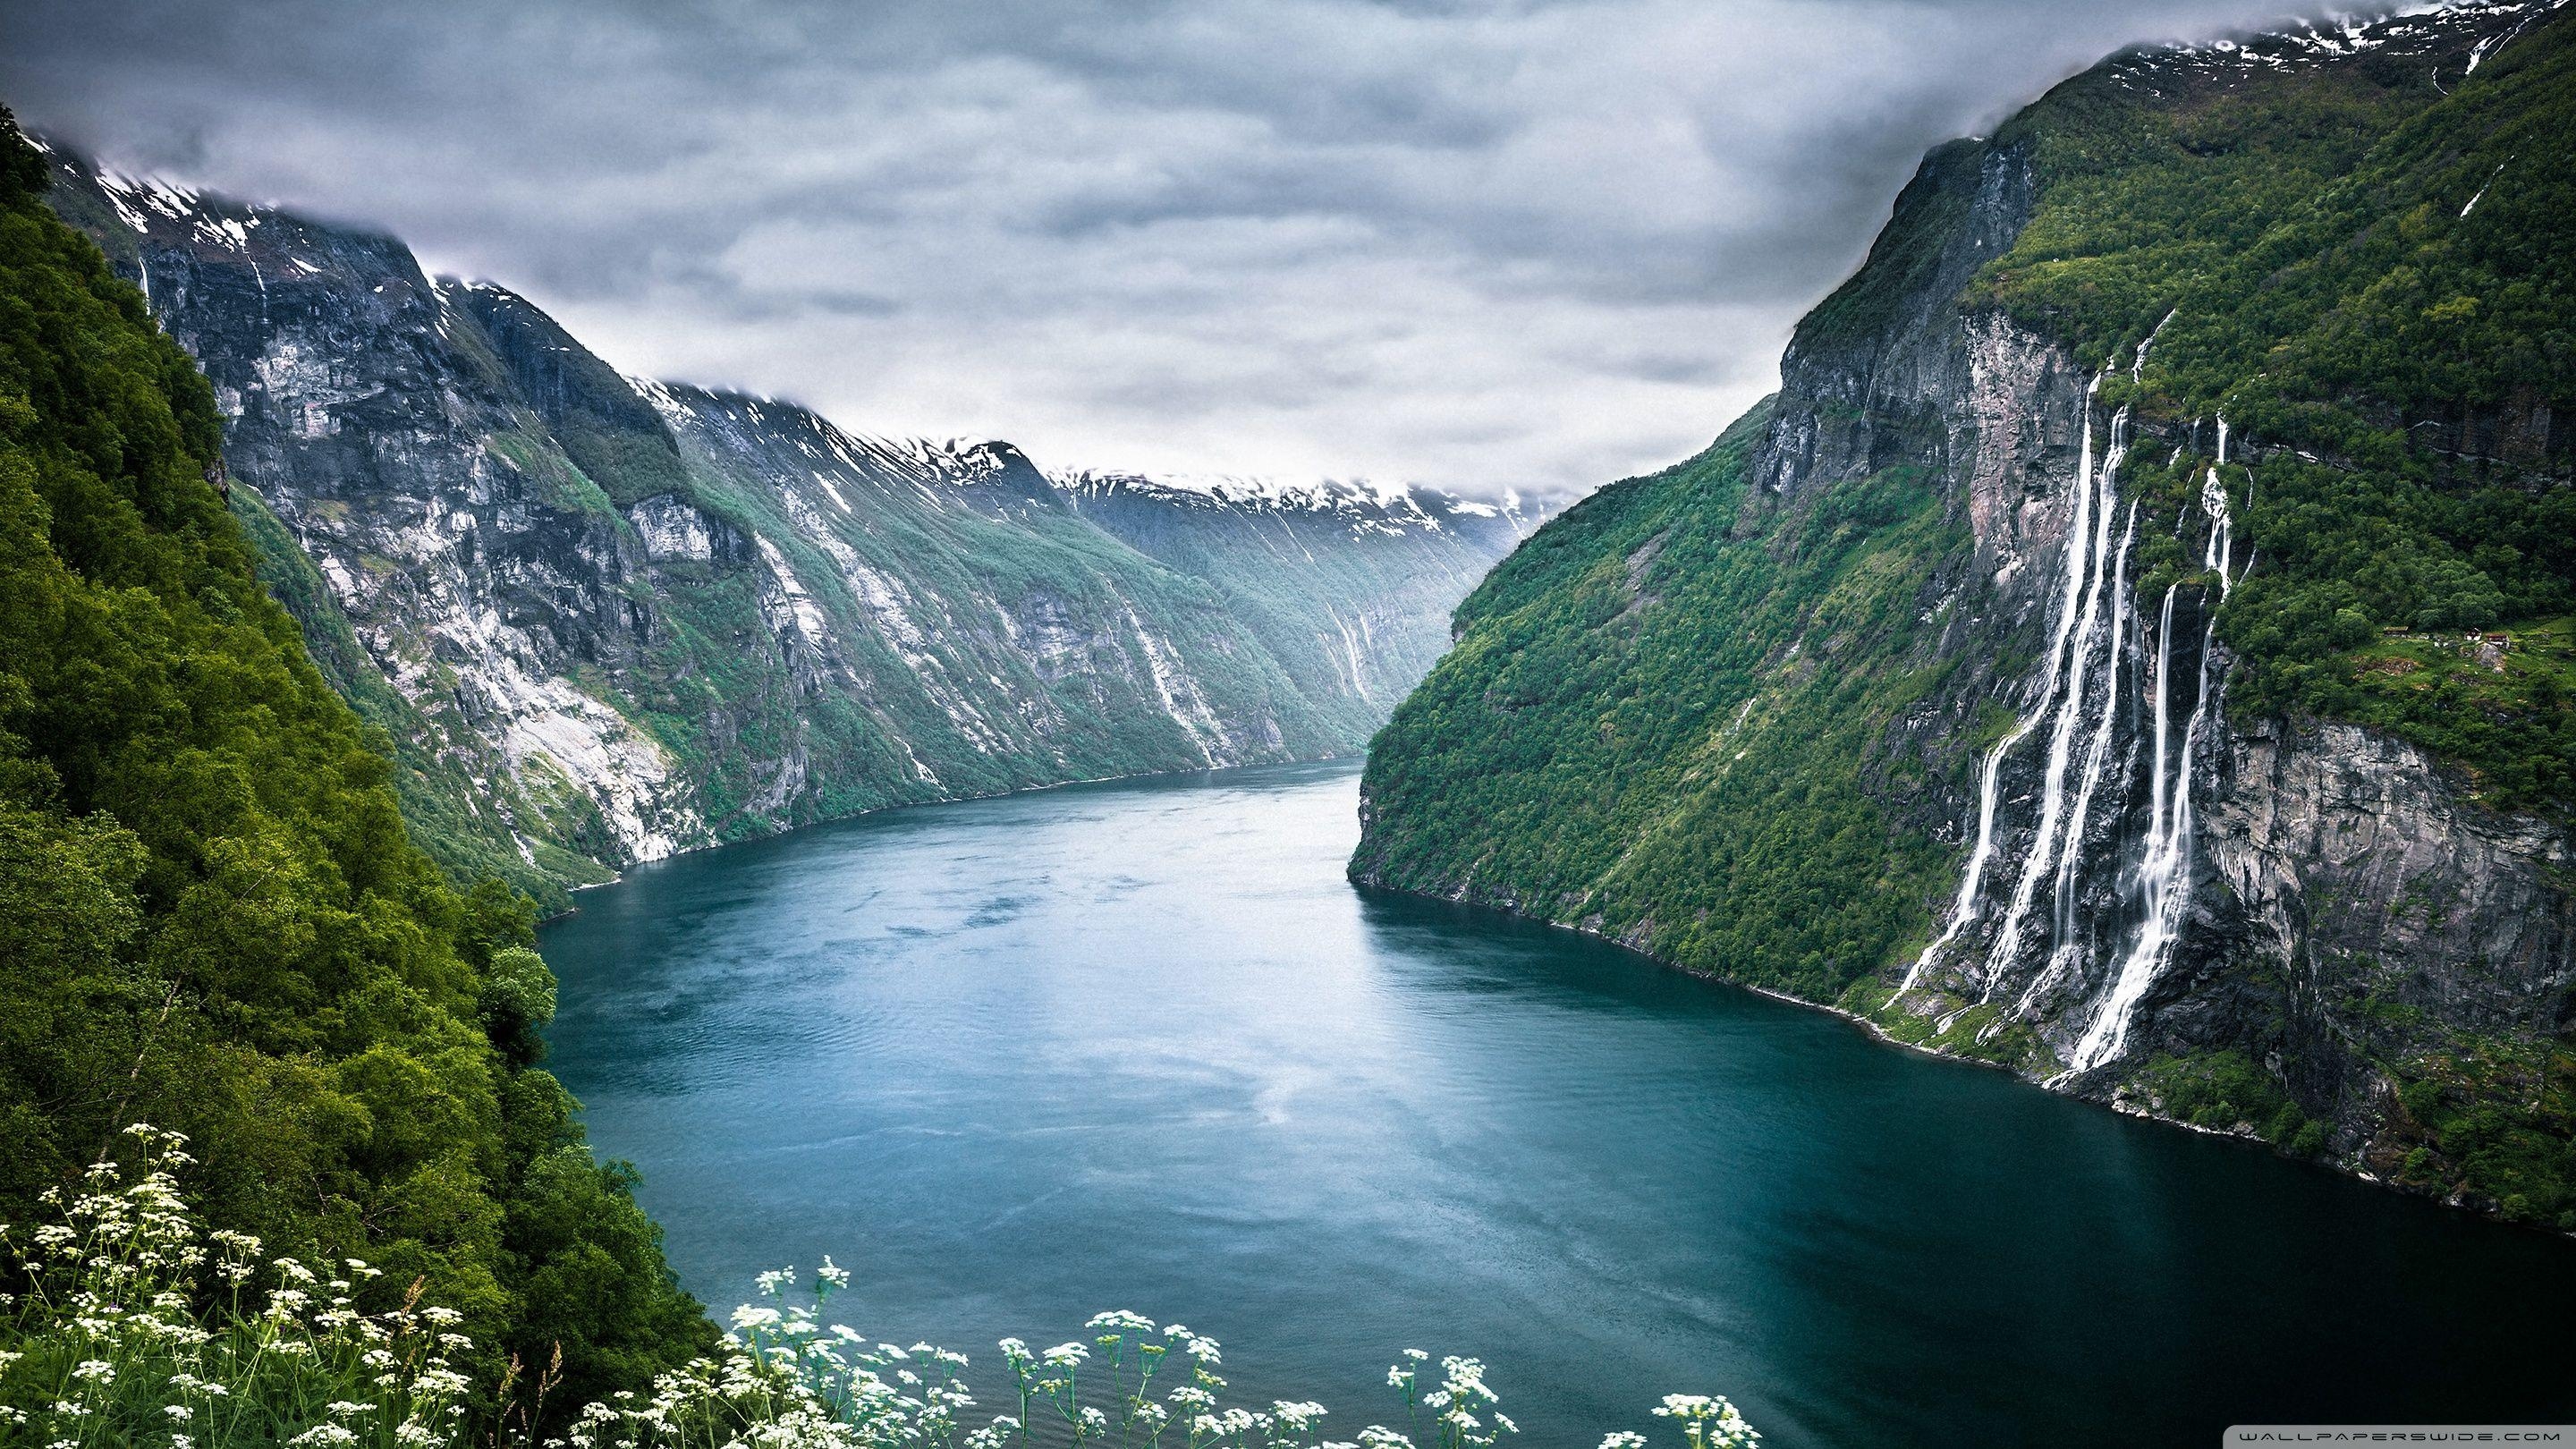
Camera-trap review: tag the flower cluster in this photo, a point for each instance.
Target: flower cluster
(1709, 1423)
(140, 1327)
(1462, 1407)
(113, 1343)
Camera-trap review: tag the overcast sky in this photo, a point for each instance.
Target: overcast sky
(1528, 244)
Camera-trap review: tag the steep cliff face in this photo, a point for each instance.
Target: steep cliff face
(602, 619)
(1958, 686)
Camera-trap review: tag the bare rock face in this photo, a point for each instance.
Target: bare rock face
(2401, 918)
(601, 619)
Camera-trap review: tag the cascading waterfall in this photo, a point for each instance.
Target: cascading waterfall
(2097, 756)
(2213, 500)
(2080, 710)
(1962, 910)
(2095, 499)
(1990, 777)
(2164, 872)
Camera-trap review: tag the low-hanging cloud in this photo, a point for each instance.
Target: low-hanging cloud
(1534, 244)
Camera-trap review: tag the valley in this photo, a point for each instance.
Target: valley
(2024, 892)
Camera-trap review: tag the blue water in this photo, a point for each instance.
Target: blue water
(1142, 1046)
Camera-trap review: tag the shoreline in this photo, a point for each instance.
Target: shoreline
(1876, 1033)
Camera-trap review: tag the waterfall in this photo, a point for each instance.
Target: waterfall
(1961, 910)
(1989, 782)
(2222, 524)
(2083, 741)
(2099, 753)
(2069, 946)
(2165, 871)
(2138, 363)
(2094, 499)
(2214, 557)
(1350, 651)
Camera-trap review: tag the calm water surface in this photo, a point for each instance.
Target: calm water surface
(1141, 1046)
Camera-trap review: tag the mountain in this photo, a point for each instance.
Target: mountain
(1283, 553)
(603, 619)
(2134, 646)
(211, 916)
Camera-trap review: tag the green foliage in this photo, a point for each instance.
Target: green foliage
(2387, 345)
(2493, 1120)
(516, 1002)
(2228, 1091)
(211, 913)
(2504, 711)
(1625, 736)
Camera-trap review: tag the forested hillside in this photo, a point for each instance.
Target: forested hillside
(211, 915)
(1619, 723)
(2133, 648)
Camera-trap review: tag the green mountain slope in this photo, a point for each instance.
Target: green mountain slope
(1619, 740)
(211, 917)
(2071, 667)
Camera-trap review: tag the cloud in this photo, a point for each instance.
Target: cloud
(1537, 244)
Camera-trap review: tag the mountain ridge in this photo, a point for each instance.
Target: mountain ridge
(601, 620)
(2082, 664)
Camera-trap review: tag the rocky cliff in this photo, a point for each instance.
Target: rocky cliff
(2048, 674)
(601, 619)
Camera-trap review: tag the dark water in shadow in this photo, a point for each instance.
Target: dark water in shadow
(1140, 1046)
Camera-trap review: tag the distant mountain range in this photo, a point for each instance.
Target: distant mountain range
(603, 619)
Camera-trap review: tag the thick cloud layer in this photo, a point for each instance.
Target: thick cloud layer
(1525, 244)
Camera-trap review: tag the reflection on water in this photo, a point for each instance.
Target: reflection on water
(1141, 1046)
